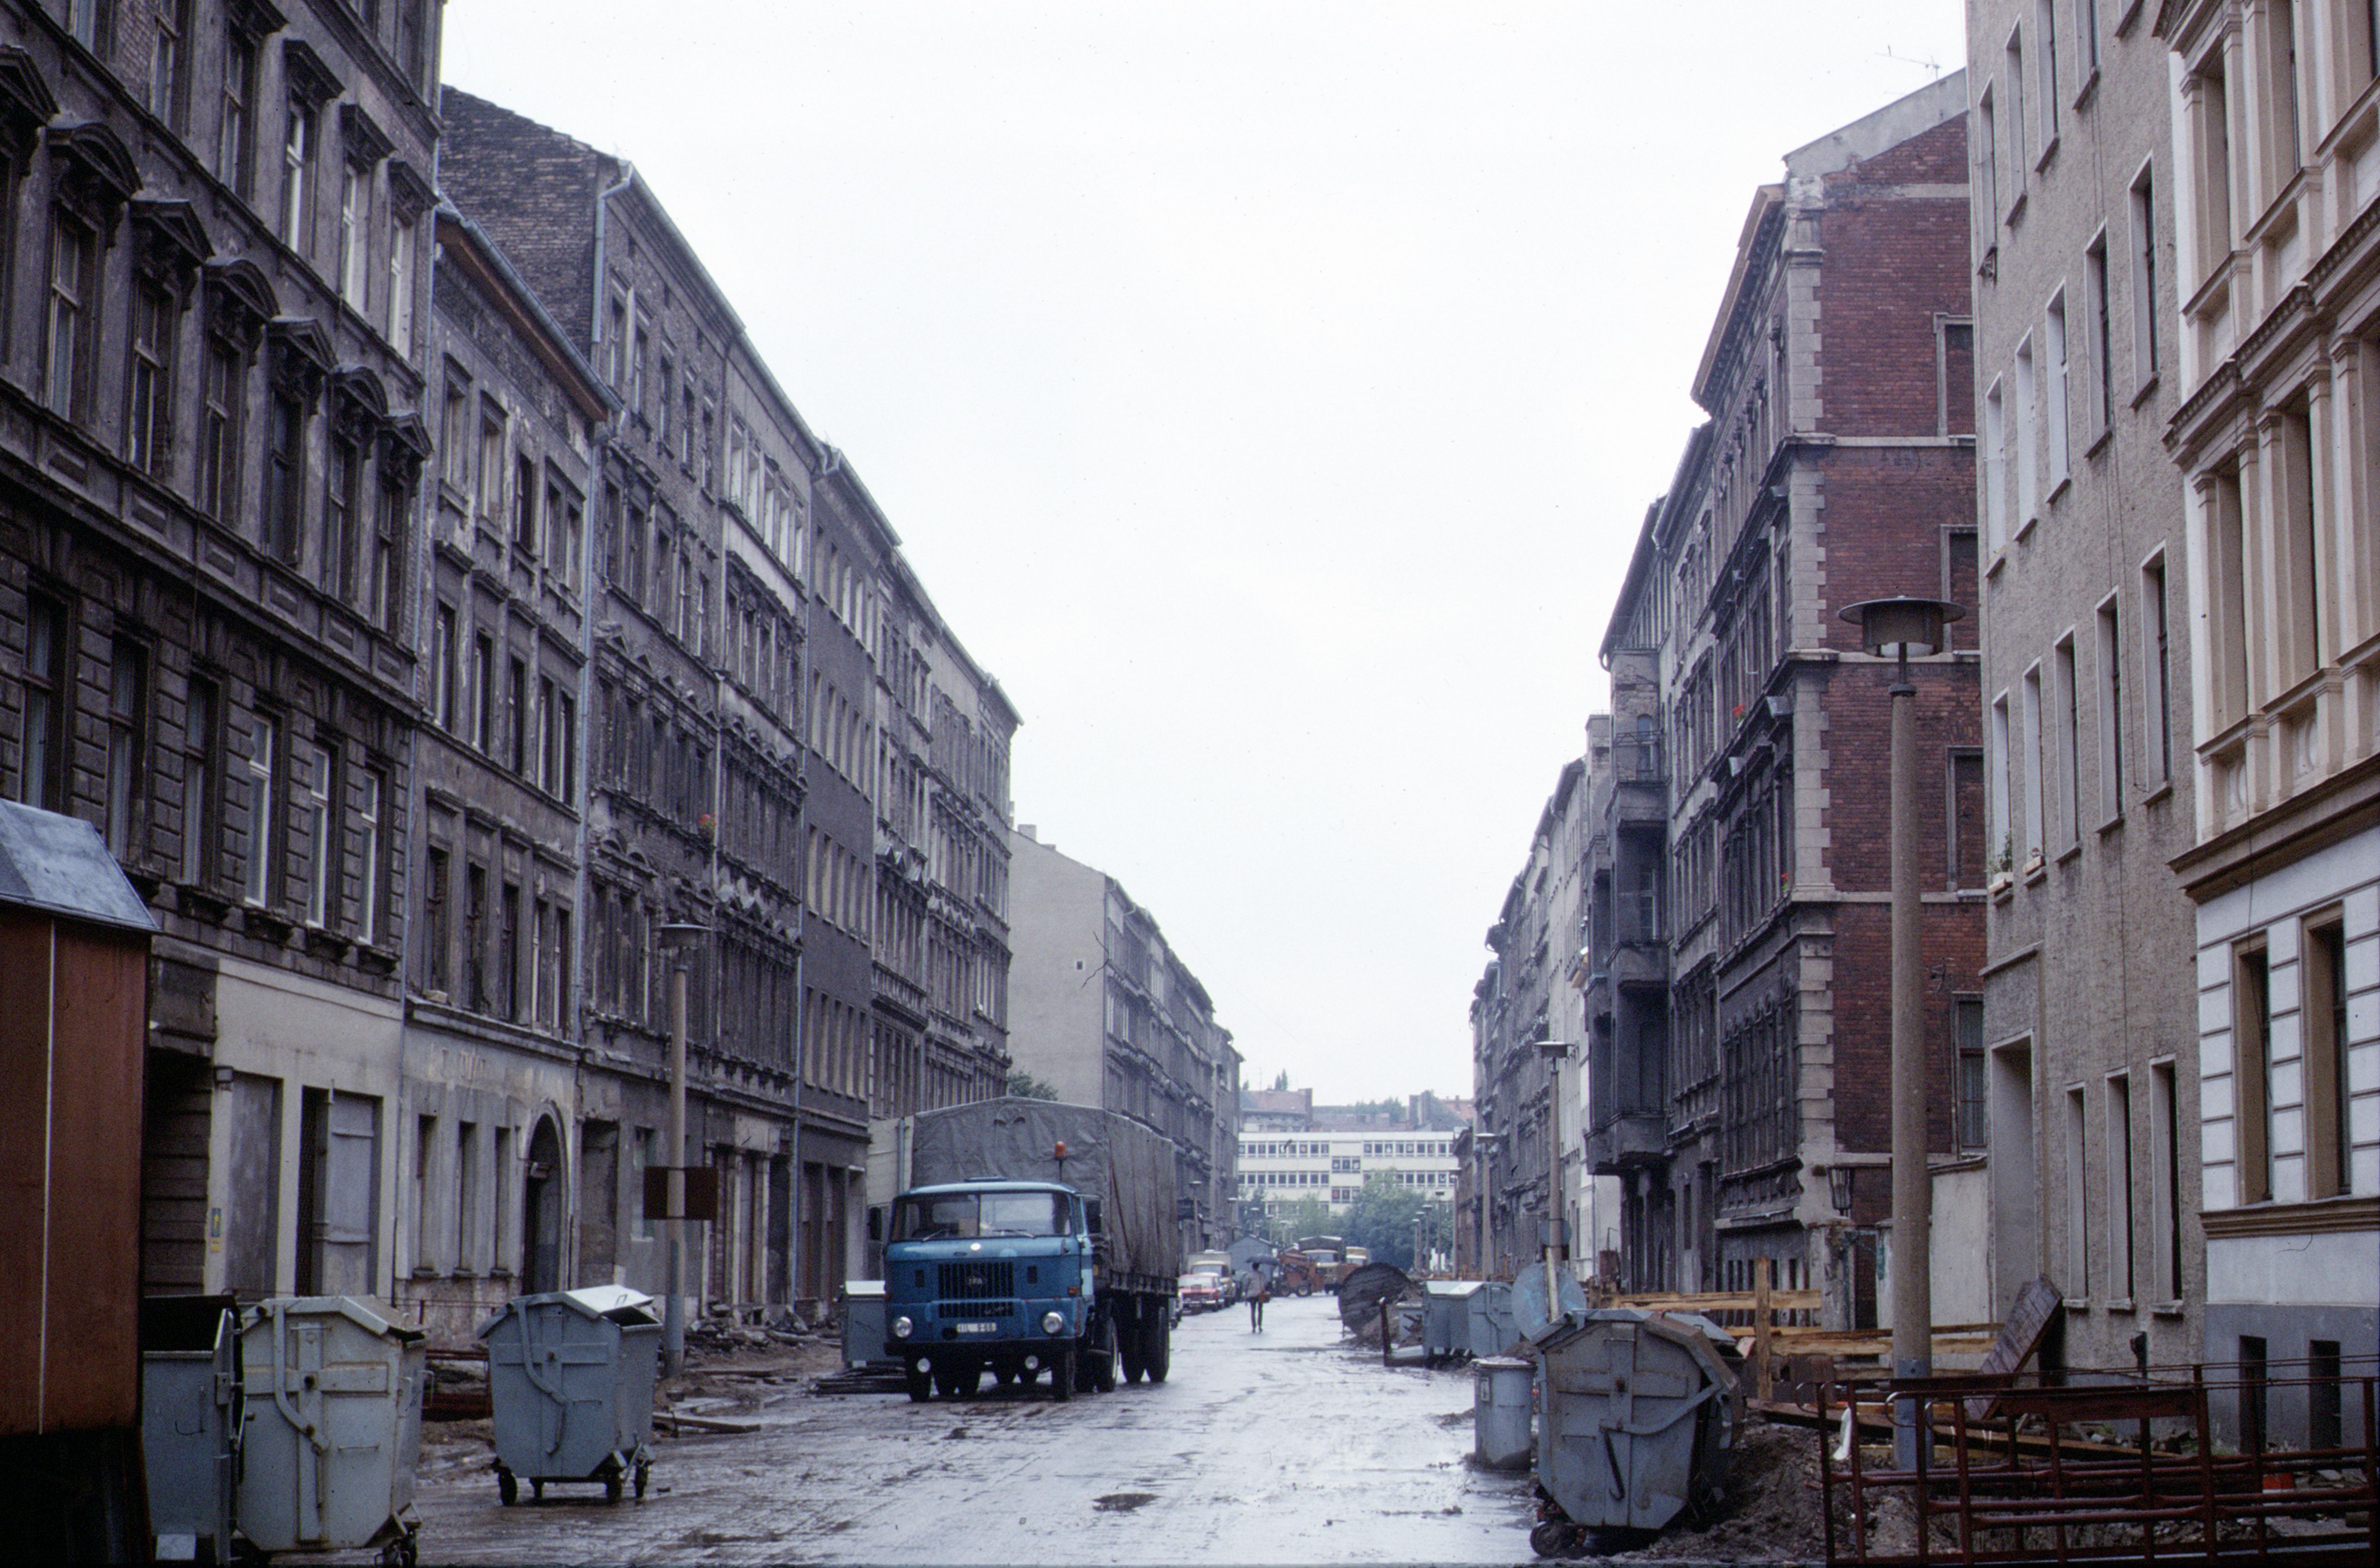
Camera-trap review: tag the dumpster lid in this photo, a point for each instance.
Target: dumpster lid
(1529, 1311)
(862, 1290)
(58, 863)
(1451, 1287)
(617, 1304)
(368, 1312)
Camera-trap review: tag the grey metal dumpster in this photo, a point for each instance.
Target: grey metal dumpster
(1499, 1411)
(570, 1374)
(1492, 1328)
(333, 1426)
(1446, 1318)
(863, 1323)
(190, 1422)
(1640, 1414)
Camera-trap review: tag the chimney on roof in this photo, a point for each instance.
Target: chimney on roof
(1030, 831)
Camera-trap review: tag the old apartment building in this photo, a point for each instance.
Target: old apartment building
(1107, 1014)
(2276, 111)
(215, 286)
(2075, 1085)
(418, 582)
(1837, 465)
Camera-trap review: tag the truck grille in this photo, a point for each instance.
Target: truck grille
(977, 1289)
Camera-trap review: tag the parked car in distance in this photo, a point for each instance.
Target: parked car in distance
(1218, 1266)
(1200, 1293)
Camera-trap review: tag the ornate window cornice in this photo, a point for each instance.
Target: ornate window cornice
(310, 80)
(98, 174)
(26, 101)
(239, 301)
(170, 244)
(301, 356)
(363, 143)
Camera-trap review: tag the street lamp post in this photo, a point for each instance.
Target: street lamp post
(1896, 628)
(1555, 1052)
(678, 939)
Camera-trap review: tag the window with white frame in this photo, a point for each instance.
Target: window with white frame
(2110, 657)
(2143, 245)
(263, 745)
(2069, 698)
(2029, 749)
(2102, 341)
(2026, 480)
(322, 833)
(1996, 469)
(2054, 414)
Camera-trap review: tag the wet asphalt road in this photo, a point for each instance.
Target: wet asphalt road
(1287, 1446)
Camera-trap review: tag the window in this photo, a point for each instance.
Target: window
(355, 243)
(1988, 153)
(1974, 1124)
(2070, 743)
(525, 502)
(1964, 842)
(2144, 276)
(2103, 368)
(2326, 1426)
(340, 494)
(321, 828)
(49, 694)
(2252, 1049)
(262, 800)
(508, 934)
(1954, 360)
(2323, 1026)
(2227, 627)
(88, 20)
(516, 716)
(2027, 471)
(128, 730)
(491, 465)
(2053, 348)
(2078, 1198)
(199, 785)
(284, 476)
(483, 692)
(297, 176)
(2210, 139)
(2111, 659)
(372, 789)
(234, 131)
(72, 250)
(549, 738)
(219, 432)
(147, 382)
(438, 920)
(2048, 52)
(1996, 469)
(2087, 22)
(2165, 1181)
(2020, 156)
(2028, 746)
(2279, 54)
(400, 285)
(2296, 536)
(384, 583)
(168, 94)
(2157, 702)
(2120, 1283)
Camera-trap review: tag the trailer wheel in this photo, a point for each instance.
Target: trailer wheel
(919, 1384)
(1161, 1347)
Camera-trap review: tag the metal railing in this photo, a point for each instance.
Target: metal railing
(2122, 1467)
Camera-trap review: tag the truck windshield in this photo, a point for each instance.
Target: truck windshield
(939, 1216)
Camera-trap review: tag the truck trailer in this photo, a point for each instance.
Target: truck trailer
(1031, 1236)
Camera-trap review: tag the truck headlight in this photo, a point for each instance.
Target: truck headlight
(1053, 1323)
(902, 1328)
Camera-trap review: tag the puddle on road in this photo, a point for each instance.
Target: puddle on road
(1123, 1502)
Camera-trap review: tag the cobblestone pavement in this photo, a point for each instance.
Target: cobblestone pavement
(1287, 1446)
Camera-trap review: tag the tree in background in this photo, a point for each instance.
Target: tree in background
(1282, 1082)
(1381, 1218)
(1023, 1085)
(1309, 1216)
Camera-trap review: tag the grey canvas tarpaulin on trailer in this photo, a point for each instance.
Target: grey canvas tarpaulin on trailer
(1110, 1160)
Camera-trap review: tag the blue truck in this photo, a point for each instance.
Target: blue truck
(1031, 1237)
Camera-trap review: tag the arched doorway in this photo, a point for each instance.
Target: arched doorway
(542, 1211)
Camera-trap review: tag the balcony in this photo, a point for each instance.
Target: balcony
(1628, 1141)
(1637, 964)
(1640, 780)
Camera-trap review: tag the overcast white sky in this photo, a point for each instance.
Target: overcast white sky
(1267, 393)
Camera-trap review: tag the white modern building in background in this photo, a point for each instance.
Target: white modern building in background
(1279, 1170)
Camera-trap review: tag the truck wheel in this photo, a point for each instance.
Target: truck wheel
(1061, 1374)
(1128, 1347)
(958, 1382)
(920, 1385)
(1161, 1347)
(1305, 1288)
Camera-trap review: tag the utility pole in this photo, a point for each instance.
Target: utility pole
(677, 940)
(1555, 1052)
(1896, 628)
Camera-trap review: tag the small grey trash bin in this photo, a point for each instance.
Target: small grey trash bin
(190, 1422)
(333, 1426)
(570, 1376)
(862, 1322)
(1499, 1411)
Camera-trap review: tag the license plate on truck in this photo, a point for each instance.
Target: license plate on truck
(978, 1327)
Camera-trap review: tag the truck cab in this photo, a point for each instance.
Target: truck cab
(994, 1275)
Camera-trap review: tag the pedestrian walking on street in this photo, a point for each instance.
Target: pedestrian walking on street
(1256, 1298)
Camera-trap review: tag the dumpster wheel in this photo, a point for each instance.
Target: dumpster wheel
(405, 1552)
(507, 1486)
(644, 1474)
